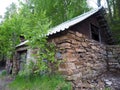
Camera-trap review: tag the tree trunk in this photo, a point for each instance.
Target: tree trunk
(110, 12)
(98, 3)
(114, 8)
(118, 7)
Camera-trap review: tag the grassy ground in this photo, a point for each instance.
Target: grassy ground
(54, 82)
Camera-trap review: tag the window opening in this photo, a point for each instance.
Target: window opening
(95, 34)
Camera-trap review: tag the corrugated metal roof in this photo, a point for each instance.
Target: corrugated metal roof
(72, 22)
(69, 23)
(22, 43)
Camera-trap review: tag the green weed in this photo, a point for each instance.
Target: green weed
(54, 82)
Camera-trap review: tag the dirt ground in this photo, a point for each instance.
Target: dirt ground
(113, 79)
(4, 81)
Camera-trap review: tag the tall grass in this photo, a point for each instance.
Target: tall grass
(54, 82)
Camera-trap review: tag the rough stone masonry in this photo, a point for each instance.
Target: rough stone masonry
(113, 57)
(84, 59)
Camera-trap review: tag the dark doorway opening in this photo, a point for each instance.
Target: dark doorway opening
(22, 59)
(2, 64)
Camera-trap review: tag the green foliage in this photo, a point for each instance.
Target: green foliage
(35, 30)
(3, 73)
(10, 31)
(54, 82)
(44, 57)
(107, 88)
(59, 11)
(114, 18)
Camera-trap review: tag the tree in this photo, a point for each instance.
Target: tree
(59, 11)
(10, 32)
(114, 17)
(110, 12)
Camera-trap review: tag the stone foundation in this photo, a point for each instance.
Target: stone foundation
(113, 58)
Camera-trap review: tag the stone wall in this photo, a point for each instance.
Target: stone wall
(113, 58)
(84, 59)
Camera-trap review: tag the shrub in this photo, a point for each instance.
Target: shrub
(4, 72)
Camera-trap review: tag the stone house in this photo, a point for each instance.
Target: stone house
(82, 43)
